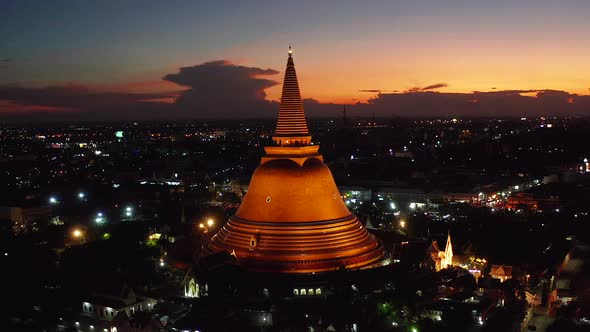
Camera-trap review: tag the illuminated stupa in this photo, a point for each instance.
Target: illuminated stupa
(293, 219)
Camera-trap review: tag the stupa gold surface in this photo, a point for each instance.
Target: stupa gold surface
(293, 218)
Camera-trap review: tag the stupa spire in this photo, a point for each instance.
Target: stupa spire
(291, 124)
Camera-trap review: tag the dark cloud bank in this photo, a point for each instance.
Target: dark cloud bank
(222, 90)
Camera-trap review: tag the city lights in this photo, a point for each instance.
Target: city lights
(129, 211)
(53, 200)
(99, 219)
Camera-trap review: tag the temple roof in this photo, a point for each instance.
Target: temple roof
(291, 121)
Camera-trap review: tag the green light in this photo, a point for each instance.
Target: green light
(106, 236)
(119, 134)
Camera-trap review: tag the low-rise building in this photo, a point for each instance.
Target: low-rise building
(25, 218)
(501, 272)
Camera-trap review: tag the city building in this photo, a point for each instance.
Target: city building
(24, 218)
(501, 272)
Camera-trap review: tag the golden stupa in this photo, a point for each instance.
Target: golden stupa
(293, 218)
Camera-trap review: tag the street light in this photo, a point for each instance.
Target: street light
(81, 195)
(77, 233)
(53, 200)
(129, 211)
(402, 223)
(210, 222)
(99, 218)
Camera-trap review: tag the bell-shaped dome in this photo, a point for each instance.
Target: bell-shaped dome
(282, 190)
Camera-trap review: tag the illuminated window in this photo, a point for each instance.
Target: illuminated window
(318, 291)
(310, 291)
(302, 292)
(296, 292)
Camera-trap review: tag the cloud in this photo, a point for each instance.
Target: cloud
(216, 89)
(435, 86)
(222, 89)
(476, 104)
(428, 87)
(79, 102)
(372, 90)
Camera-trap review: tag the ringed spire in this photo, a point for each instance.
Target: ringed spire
(291, 127)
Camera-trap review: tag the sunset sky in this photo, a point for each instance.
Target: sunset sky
(340, 47)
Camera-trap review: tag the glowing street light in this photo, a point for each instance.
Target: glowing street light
(53, 200)
(81, 195)
(210, 222)
(128, 211)
(77, 233)
(402, 223)
(99, 218)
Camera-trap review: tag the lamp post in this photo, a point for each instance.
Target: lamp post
(78, 236)
(204, 227)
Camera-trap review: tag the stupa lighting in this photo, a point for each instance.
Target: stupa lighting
(293, 219)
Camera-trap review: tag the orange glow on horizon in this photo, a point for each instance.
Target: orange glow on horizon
(337, 73)
(8, 106)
